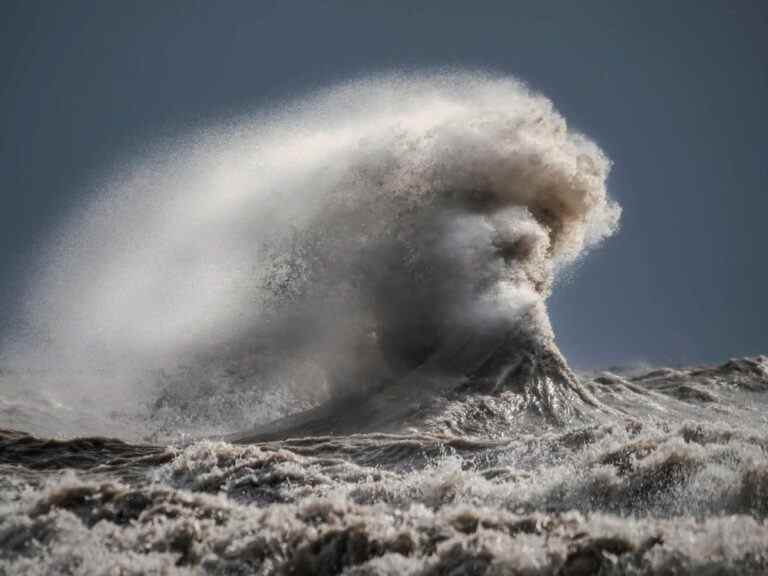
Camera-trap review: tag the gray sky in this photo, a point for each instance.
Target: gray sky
(674, 92)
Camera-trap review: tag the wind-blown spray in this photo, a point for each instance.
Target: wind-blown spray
(392, 225)
(371, 266)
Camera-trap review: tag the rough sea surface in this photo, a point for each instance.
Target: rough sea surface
(668, 476)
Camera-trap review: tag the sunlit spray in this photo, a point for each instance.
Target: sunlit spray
(333, 244)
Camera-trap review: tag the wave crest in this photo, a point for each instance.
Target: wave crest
(334, 245)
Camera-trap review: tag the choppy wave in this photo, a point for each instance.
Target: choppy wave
(667, 491)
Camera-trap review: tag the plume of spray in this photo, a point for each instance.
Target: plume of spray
(334, 244)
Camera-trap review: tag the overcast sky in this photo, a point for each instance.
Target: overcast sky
(674, 92)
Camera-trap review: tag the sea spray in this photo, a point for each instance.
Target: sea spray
(329, 247)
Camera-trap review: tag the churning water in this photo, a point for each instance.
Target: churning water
(320, 338)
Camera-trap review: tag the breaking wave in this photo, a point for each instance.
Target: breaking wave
(390, 229)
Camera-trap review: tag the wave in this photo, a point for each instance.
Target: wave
(393, 237)
(679, 487)
(651, 497)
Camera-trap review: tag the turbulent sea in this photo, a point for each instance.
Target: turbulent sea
(679, 486)
(315, 340)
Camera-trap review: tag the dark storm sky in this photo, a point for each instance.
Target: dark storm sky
(675, 92)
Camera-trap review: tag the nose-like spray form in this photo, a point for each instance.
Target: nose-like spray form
(390, 225)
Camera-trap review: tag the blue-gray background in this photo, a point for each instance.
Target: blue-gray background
(675, 92)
